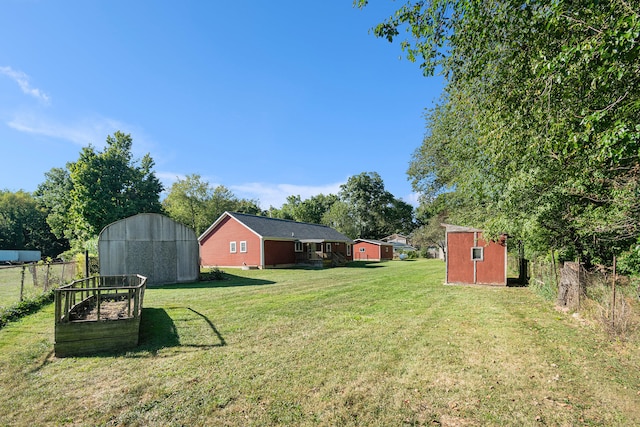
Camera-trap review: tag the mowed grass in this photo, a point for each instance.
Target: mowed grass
(12, 277)
(382, 344)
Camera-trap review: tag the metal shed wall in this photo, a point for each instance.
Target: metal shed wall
(152, 245)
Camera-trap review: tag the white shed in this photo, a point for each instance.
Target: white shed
(152, 245)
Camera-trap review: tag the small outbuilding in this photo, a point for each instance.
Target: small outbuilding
(470, 259)
(372, 250)
(152, 245)
(250, 241)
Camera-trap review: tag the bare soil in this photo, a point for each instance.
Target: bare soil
(109, 310)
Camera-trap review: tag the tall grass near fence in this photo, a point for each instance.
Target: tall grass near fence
(21, 285)
(609, 301)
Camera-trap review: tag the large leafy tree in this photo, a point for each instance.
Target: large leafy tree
(99, 188)
(538, 131)
(53, 196)
(310, 210)
(193, 202)
(313, 209)
(373, 211)
(187, 201)
(341, 217)
(23, 225)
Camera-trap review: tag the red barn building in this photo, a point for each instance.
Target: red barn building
(470, 259)
(372, 250)
(241, 240)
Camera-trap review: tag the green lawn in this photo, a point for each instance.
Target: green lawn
(11, 278)
(383, 344)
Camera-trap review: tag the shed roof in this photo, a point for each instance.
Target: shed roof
(450, 228)
(374, 242)
(282, 229)
(402, 247)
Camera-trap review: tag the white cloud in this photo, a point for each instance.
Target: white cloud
(81, 132)
(22, 80)
(276, 194)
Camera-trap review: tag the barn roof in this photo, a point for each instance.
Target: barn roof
(283, 229)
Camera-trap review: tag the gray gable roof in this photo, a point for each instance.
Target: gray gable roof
(375, 242)
(283, 229)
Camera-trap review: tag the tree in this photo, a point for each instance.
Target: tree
(288, 208)
(23, 225)
(399, 218)
(53, 196)
(314, 208)
(310, 210)
(368, 202)
(98, 189)
(194, 203)
(542, 99)
(187, 202)
(431, 233)
(340, 217)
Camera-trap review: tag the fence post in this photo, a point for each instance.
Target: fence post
(46, 276)
(613, 296)
(22, 284)
(86, 264)
(34, 273)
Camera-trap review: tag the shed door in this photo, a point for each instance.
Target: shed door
(459, 263)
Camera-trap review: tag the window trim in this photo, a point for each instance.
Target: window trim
(233, 247)
(243, 246)
(328, 247)
(477, 250)
(297, 247)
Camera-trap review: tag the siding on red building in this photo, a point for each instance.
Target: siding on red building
(215, 246)
(490, 265)
(265, 242)
(372, 250)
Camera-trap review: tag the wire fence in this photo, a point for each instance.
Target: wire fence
(599, 294)
(27, 281)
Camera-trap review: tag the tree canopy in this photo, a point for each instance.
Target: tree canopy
(196, 204)
(23, 225)
(537, 131)
(99, 188)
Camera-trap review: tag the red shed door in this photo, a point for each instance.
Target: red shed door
(459, 263)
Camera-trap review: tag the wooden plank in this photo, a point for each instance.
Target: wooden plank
(81, 338)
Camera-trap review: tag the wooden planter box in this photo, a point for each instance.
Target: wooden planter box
(98, 314)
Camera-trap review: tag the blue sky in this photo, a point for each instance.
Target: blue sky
(268, 98)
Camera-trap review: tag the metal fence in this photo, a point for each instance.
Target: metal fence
(27, 281)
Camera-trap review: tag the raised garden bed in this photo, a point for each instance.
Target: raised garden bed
(98, 314)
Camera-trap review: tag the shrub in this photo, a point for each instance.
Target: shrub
(629, 262)
(212, 274)
(24, 308)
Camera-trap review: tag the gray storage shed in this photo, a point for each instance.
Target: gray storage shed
(152, 245)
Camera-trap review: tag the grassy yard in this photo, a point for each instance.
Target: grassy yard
(11, 278)
(368, 345)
